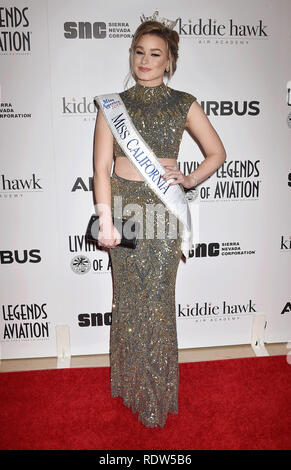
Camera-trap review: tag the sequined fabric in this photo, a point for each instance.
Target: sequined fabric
(143, 337)
(159, 113)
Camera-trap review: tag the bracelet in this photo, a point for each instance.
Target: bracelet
(195, 180)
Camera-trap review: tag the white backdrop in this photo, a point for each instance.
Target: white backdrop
(55, 57)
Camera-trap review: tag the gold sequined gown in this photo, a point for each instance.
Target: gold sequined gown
(143, 336)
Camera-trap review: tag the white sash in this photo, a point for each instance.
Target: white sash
(184, 206)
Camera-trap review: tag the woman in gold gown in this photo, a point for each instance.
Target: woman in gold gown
(143, 335)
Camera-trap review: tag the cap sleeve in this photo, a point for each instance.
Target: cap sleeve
(187, 101)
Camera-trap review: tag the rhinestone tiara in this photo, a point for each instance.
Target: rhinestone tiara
(155, 17)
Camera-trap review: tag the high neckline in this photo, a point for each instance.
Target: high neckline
(148, 94)
(139, 85)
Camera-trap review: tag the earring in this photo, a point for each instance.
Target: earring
(168, 69)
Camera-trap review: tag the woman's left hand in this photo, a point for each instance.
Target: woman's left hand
(173, 172)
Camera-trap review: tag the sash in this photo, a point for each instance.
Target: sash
(183, 205)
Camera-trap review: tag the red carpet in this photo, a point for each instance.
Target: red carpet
(226, 404)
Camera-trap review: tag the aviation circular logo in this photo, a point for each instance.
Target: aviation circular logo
(80, 264)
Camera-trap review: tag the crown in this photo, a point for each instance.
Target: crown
(155, 17)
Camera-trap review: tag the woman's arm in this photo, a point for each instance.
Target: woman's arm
(200, 127)
(103, 158)
(198, 124)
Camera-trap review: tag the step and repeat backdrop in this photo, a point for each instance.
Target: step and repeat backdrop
(54, 58)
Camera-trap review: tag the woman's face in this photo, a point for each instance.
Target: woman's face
(150, 59)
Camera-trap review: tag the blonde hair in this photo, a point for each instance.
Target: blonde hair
(171, 38)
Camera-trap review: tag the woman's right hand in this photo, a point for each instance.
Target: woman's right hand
(108, 236)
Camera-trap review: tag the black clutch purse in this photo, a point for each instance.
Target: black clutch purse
(128, 232)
